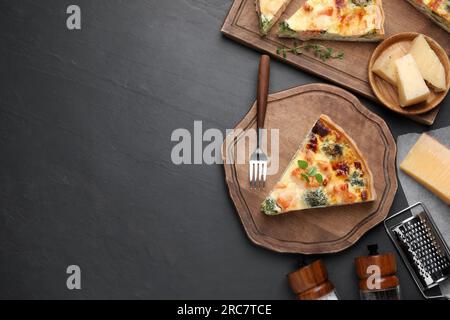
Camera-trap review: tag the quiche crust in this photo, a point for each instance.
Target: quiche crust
(370, 182)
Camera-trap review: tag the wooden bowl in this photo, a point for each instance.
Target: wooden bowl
(388, 94)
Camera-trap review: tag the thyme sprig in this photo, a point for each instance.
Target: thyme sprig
(320, 51)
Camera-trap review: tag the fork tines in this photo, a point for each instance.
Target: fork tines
(258, 173)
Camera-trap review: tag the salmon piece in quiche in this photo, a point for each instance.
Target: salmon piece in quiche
(345, 20)
(327, 170)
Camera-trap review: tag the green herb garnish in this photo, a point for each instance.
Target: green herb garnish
(310, 172)
(305, 176)
(319, 178)
(302, 164)
(320, 51)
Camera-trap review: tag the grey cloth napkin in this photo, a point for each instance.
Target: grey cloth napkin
(415, 192)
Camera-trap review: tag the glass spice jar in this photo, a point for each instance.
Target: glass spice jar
(377, 275)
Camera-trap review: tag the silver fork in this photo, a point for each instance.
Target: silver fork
(258, 159)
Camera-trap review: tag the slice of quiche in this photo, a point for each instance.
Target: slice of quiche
(269, 11)
(436, 10)
(327, 170)
(346, 20)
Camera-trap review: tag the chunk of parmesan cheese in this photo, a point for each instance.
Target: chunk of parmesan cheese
(384, 66)
(429, 64)
(412, 88)
(428, 162)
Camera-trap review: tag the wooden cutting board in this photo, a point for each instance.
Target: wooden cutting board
(323, 230)
(241, 24)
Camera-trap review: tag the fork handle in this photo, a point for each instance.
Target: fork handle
(262, 90)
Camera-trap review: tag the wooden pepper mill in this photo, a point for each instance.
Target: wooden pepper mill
(377, 274)
(311, 283)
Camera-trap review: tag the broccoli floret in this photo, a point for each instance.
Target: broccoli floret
(265, 24)
(361, 3)
(285, 29)
(270, 207)
(316, 198)
(356, 180)
(333, 150)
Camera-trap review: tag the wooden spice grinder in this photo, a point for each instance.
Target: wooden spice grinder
(311, 283)
(377, 275)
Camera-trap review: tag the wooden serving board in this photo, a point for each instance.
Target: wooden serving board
(241, 24)
(320, 230)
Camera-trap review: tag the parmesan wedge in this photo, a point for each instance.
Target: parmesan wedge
(384, 66)
(428, 162)
(429, 64)
(412, 88)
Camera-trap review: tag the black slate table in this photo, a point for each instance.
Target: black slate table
(86, 118)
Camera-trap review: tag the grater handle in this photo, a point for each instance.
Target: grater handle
(400, 213)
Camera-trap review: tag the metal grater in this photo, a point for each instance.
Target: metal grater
(420, 245)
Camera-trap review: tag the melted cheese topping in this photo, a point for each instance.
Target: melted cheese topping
(270, 8)
(338, 185)
(439, 7)
(340, 17)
